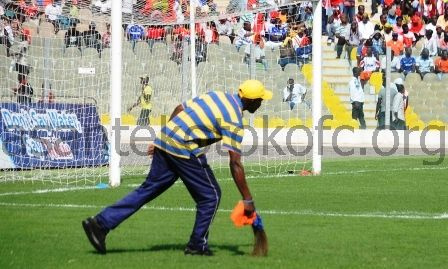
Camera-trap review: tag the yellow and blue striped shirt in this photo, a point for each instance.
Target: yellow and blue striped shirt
(206, 119)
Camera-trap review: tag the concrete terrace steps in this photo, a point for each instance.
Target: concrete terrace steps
(338, 72)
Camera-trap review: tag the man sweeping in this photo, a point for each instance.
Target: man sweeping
(178, 153)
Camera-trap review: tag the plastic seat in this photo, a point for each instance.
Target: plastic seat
(142, 50)
(430, 77)
(90, 53)
(85, 14)
(413, 78)
(46, 26)
(72, 52)
(224, 40)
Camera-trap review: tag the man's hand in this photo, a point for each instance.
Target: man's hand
(249, 207)
(150, 149)
(376, 116)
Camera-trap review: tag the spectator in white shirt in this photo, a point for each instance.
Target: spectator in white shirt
(370, 63)
(357, 97)
(439, 34)
(430, 43)
(398, 109)
(431, 25)
(258, 50)
(340, 32)
(6, 34)
(294, 94)
(244, 36)
(365, 27)
(424, 63)
(394, 65)
(332, 24)
(103, 6)
(52, 13)
(224, 27)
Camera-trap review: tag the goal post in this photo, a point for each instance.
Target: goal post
(183, 58)
(115, 92)
(317, 86)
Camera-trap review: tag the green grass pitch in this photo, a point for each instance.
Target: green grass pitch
(371, 213)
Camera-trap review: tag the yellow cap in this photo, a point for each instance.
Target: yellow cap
(254, 89)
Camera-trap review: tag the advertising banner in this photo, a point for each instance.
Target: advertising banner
(51, 135)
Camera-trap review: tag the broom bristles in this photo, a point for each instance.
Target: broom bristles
(260, 243)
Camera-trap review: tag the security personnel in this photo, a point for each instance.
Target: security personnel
(178, 153)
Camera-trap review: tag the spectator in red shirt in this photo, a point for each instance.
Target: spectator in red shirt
(388, 3)
(155, 34)
(180, 31)
(210, 33)
(408, 37)
(441, 64)
(337, 4)
(259, 25)
(416, 25)
(396, 45)
(29, 8)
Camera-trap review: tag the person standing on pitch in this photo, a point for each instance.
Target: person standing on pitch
(144, 101)
(398, 108)
(357, 97)
(178, 152)
(380, 113)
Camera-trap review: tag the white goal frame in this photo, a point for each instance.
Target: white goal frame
(116, 85)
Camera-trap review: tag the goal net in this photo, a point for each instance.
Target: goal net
(55, 121)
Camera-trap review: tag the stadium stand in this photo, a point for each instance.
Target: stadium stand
(161, 56)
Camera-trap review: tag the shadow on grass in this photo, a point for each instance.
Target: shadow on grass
(233, 249)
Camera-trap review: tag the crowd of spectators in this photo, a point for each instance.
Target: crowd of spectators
(421, 26)
(416, 31)
(287, 29)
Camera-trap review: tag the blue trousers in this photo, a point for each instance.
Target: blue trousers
(165, 170)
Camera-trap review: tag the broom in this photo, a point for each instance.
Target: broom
(260, 239)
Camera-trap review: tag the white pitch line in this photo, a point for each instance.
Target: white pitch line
(380, 215)
(43, 191)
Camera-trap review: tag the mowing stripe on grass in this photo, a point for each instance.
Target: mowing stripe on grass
(385, 170)
(380, 215)
(67, 189)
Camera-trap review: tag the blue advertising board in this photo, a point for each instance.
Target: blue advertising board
(51, 135)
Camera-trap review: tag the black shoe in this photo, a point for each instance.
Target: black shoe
(96, 234)
(191, 251)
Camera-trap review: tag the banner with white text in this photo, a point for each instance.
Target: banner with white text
(51, 135)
